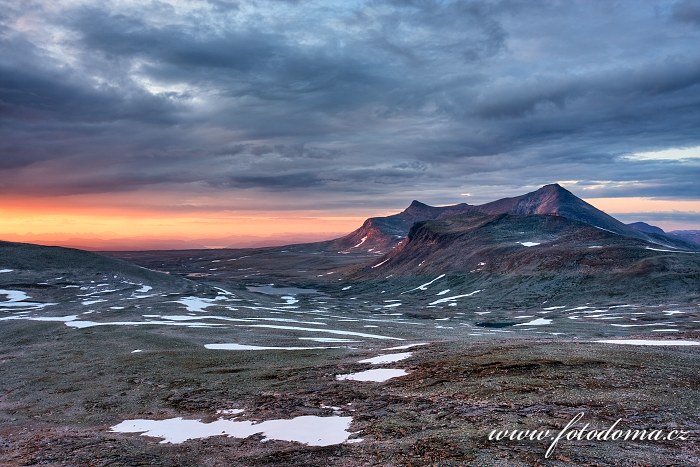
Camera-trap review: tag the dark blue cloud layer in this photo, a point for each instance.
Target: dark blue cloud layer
(369, 102)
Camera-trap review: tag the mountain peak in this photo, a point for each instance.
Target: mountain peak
(555, 200)
(552, 188)
(417, 204)
(552, 191)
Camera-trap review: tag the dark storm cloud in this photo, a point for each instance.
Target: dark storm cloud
(30, 95)
(687, 11)
(118, 36)
(599, 91)
(285, 182)
(326, 100)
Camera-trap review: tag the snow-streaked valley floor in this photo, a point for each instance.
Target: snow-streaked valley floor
(267, 315)
(111, 370)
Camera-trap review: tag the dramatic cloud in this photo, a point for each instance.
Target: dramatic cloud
(334, 104)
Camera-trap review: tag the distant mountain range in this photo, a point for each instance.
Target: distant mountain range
(692, 236)
(526, 249)
(687, 235)
(381, 234)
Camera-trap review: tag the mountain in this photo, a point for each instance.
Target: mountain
(647, 228)
(508, 243)
(558, 201)
(533, 247)
(692, 236)
(381, 234)
(524, 260)
(555, 200)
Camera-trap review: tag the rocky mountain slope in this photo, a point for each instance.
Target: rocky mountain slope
(537, 246)
(380, 234)
(648, 228)
(692, 236)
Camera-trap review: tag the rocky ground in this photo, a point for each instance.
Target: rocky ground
(81, 354)
(61, 394)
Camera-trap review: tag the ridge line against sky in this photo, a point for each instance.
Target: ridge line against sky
(217, 119)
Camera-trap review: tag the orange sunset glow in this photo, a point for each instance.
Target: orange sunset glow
(105, 227)
(91, 222)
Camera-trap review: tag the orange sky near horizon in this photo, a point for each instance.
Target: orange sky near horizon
(66, 221)
(54, 222)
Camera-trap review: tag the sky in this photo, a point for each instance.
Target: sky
(230, 123)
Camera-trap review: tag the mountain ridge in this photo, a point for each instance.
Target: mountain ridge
(647, 228)
(522, 260)
(379, 235)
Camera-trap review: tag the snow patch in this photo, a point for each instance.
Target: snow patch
(327, 339)
(387, 358)
(92, 302)
(424, 286)
(536, 322)
(329, 331)
(89, 324)
(670, 251)
(13, 295)
(258, 347)
(15, 300)
(377, 265)
(361, 242)
(198, 304)
(377, 376)
(289, 299)
(407, 346)
(306, 429)
(454, 297)
(647, 342)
